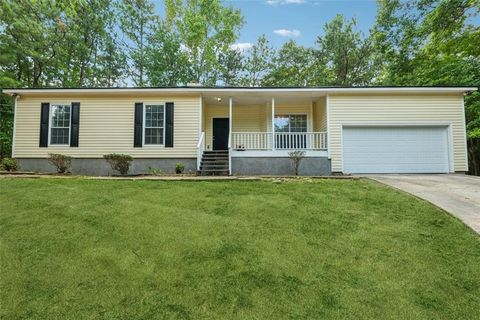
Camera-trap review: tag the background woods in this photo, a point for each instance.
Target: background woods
(102, 43)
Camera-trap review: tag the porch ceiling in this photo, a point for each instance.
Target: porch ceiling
(258, 98)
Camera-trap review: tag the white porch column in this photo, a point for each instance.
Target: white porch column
(230, 114)
(273, 123)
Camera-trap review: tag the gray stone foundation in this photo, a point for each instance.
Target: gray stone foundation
(311, 166)
(99, 167)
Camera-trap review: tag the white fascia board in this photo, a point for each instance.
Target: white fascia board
(249, 90)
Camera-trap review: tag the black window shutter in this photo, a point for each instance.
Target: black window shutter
(45, 110)
(138, 129)
(74, 123)
(169, 125)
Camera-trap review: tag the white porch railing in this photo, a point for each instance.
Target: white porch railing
(200, 149)
(281, 141)
(252, 140)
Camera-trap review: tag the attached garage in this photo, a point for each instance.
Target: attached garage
(395, 149)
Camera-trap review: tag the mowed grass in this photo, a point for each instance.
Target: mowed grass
(325, 249)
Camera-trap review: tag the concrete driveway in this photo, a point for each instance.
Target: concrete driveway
(455, 193)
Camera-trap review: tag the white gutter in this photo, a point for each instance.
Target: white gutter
(248, 90)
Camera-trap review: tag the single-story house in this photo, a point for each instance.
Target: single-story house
(245, 130)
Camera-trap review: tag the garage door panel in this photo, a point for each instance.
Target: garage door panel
(395, 149)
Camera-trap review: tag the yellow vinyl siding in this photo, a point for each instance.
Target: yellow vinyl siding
(320, 116)
(106, 126)
(397, 109)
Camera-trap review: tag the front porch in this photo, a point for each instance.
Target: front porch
(263, 127)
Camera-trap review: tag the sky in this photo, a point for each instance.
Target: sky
(301, 20)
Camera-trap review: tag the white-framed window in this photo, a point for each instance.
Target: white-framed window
(60, 124)
(290, 123)
(154, 124)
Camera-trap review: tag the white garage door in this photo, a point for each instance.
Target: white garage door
(395, 150)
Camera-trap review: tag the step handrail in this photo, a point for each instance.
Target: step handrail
(200, 149)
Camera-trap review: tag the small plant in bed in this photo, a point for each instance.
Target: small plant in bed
(9, 164)
(119, 162)
(60, 161)
(155, 171)
(296, 157)
(179, 168)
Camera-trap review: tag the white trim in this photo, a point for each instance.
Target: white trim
(327, 114)
(230, 124)
(152, 145)
(200, 122)
(465, 134)
(395, 123)
(450, 150)
(50, 114)
(248, 90)
(230, 115)
(275, 154)
(14, 137)
(310, 119)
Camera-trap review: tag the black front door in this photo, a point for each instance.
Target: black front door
(220, 133)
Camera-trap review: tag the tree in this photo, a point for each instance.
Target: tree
(348, 56)
(167, 63)
(206, 28)
(294, 65)
(230, 67)
(137, 19)
(257, 63)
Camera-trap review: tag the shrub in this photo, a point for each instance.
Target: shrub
(296, 157)
(119, 162)
(60, 161)
(9, 164)
(179, 167)
(155, 171)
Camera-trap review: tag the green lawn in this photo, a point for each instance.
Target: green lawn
(329, 249)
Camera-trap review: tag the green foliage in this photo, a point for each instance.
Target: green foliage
(231, 65)
(60, 161)
(9, 164)
(119, 162)
(348, 56)
(167, 64)
(48, 43)
(179, 167)
(258, 63)
(6, 125)
(155, 171)
(294, 65)
(137, 20)
(205, 28)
